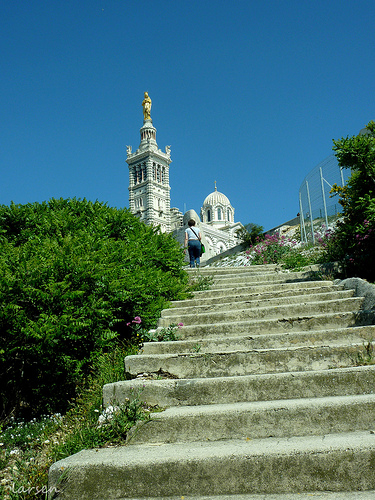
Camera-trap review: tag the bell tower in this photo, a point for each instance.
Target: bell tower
(149, 190)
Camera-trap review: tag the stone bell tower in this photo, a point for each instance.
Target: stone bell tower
(149, 190)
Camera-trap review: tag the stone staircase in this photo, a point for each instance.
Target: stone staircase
(263, 399)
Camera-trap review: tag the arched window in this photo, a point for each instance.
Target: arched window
(219, 214)
(208, 215)
(228, 215)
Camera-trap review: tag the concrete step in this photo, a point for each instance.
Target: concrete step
(266, 272)
(244, 362)
(262, 341)
(255, 420)
(298, 323)
(261, 399)
(217, 271)
(257, 301)
(259, 288)
(311, 495)
(335, 462)
(262, 387)
(270, 293)
(251, 313)
(267, 278)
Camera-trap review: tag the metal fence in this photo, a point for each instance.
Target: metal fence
(316, 208)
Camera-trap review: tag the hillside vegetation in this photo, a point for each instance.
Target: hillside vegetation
(72, 275)
(353, 244)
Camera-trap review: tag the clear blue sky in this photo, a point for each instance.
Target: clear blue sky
(247, 93)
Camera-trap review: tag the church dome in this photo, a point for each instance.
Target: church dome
(217, 210)
(216, 198)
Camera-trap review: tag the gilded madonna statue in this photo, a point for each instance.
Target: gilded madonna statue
(146, 104)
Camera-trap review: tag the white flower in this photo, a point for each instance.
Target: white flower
(107, 415)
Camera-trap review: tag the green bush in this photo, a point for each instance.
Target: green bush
(72, 275)
(288, 252)
(269, 250)
(353, 243)
(250, 234)
(295, 259)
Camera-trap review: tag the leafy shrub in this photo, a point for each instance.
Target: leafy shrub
(250, 234)
(353, 244)
(72, 275)
(288, 252)
(295, 259)
(270, 250)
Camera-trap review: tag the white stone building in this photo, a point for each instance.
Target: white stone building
(149, 195)
(216, 224)
(217, 215)
(149, 190)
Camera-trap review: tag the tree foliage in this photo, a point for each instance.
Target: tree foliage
(353, 244)
(72, 275)
(250, 234)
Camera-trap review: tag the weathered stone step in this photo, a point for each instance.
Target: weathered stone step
(270, 293)
(265, 272)
(335, 462)
(216, 271)
(236, 280)
(263, 341)
(312, 495)
(255, 420)
(263, 387)
(296, 323)
(256, 301)
(258, 373)
(251, 313)
(256, 288)
(245, 362)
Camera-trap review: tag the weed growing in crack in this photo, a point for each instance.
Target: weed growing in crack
(170, 333)
(366, 356)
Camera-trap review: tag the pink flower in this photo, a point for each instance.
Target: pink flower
(137, 320)
(180, 325)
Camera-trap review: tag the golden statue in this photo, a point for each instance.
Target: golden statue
(146, 104)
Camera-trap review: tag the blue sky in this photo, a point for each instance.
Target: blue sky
(247, 93)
